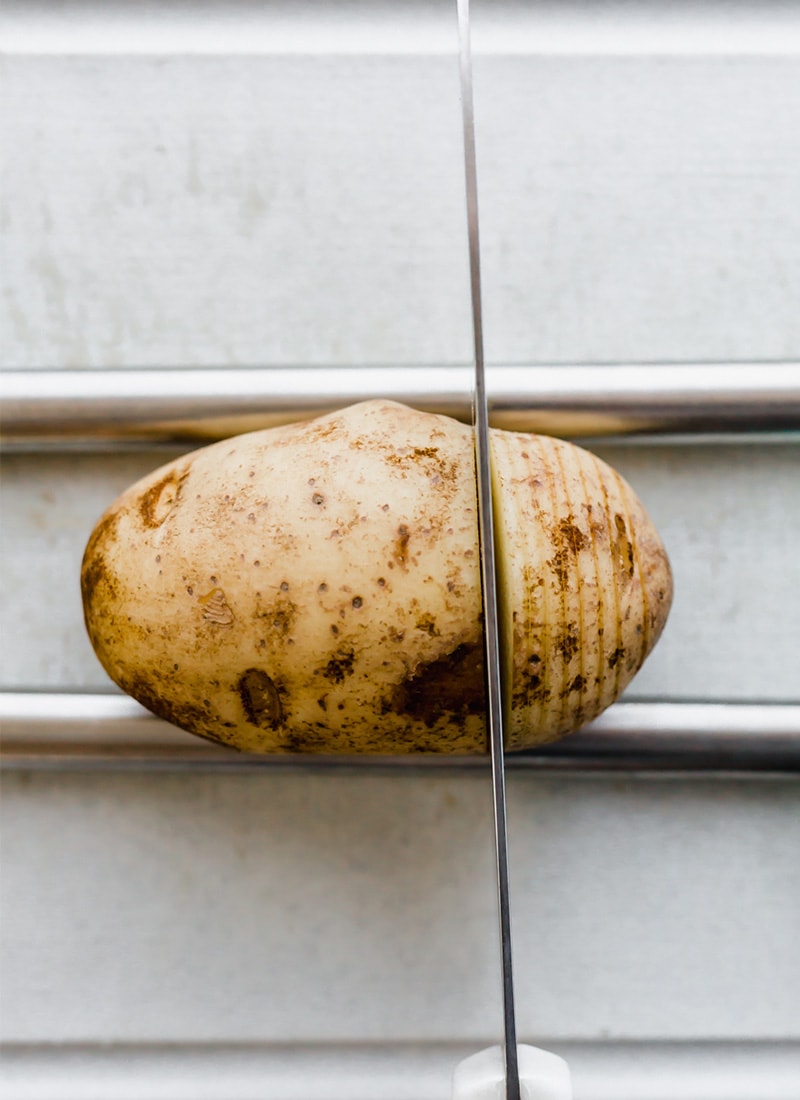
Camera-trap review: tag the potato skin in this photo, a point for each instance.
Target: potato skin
(316, 587)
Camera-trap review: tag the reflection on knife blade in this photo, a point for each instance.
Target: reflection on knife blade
(488, 567)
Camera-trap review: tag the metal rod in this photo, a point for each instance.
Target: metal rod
(56, 730)
(107, 408)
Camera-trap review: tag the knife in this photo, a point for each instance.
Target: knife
(480, 419)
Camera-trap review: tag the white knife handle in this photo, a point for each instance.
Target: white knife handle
(542, 1076)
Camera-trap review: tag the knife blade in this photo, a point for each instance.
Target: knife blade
(480, 416)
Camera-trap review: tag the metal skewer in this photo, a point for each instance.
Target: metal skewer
(184, 406)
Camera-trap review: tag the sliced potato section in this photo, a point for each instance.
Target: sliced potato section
(586, 584)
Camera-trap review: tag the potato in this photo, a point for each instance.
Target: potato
(316, 587)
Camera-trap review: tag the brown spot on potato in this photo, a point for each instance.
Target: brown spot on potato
(295, 742)
(568, 540)
(568, 642)
(559, 563)
(427, 624)
(413, 454)
(599, 532)
(623, 546)
(572, 538)
(260, 699)
(160, 499)
(99, 582)
(339, 667)
(320, 429)
(102, 538)
(449, 687)
(95, 573)
(616, 656)
(187, 715)
(528, 686)
(401, 545)
(281, 617)
(442, 473)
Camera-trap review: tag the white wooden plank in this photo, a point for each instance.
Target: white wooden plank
(199, 210)
(640, 1071)
(298, 908)
(213, 210)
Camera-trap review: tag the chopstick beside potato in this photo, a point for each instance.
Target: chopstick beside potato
(316, 587)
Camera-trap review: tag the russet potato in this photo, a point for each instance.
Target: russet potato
(316, 587)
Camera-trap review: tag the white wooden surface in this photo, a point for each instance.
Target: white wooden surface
(294, 194)
(602, 1071)
(201, 210)
(350, 908)
(346, 926)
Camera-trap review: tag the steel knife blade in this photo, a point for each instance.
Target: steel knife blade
(480, 416)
